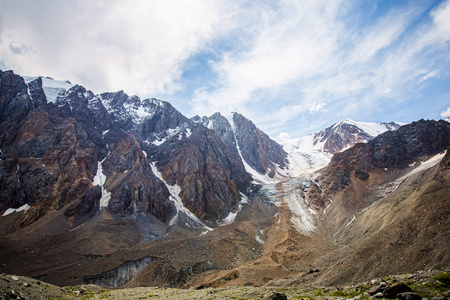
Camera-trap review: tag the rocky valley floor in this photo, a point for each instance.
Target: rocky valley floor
(430, 284)
(265, 246)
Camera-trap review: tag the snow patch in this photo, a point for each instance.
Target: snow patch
(188, 132)
(232, 215)
(172, 132)
(24, 207)
(259, 239)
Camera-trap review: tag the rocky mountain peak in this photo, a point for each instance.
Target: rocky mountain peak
(346, 133)
(262, 155)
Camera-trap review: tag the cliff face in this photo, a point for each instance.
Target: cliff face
(89, 152)
(257, 149)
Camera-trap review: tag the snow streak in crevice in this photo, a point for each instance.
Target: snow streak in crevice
(100, 179)
(175, 198)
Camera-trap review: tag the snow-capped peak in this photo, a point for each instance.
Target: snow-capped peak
(52, 88)
(372, 129)
(314, 151)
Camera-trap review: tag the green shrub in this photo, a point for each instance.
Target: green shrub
(444, 278)
(338, 293)
(319, 293)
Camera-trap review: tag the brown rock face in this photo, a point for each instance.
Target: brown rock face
(133, 186)
(49, 165)
(257, 149)
(392, 149)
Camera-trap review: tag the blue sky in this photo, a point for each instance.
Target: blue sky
(292, 67)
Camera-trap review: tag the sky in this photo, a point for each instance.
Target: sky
(293, 67)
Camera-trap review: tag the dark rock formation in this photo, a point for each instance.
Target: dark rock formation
(409, 296)
(50, 154)
(258, 150)
(392, 149)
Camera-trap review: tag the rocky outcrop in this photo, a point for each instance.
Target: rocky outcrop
(221, 126)
(392, 149)
(120, 275)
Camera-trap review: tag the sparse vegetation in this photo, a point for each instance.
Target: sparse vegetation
(427, 284)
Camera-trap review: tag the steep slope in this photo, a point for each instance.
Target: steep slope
(406, 230)
(331, 231)
(264, 158)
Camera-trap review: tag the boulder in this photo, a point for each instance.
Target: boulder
(398, 288)
(409, 296)
(275, 296)
(377, 289)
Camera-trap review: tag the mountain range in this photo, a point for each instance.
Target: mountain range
(116, 190)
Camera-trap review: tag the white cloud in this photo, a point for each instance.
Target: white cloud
(139, 46)
(429, 75)
(441, 19)
(445, 113)
(317, 107)
(279, 51)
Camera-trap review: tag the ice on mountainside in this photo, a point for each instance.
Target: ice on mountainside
(310, 153)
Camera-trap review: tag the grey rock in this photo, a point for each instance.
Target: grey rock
(377, 289)
(409, 296)
(378, 295)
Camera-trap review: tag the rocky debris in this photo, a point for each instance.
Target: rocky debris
(36, 289)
